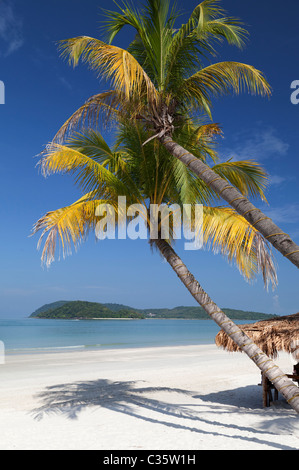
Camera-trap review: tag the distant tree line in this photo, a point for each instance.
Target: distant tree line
(89, 310)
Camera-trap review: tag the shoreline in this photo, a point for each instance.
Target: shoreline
(84, 319)
(152, 398)
(86, 348)
(138, 319)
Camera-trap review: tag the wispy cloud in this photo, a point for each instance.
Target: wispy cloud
(287, 214)
(277, 180)
(257, 144)
(64, 82)
(11, 29)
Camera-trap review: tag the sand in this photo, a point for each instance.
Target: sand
(170, 398)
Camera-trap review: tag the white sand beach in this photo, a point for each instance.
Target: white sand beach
(170, 398)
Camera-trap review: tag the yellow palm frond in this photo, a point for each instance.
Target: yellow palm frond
(69, 225)
(208, 131)
(113, 63)
(228, 233)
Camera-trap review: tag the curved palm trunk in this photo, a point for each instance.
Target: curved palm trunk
(280, 240)
(281, 382)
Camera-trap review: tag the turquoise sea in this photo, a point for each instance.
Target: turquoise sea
(37, 336)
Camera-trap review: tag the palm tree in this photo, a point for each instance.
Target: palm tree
(161, 80)
(146, 175)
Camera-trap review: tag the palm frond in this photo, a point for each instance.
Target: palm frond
(228, 29)
(89, 174)
(64, 229)
(114, 63)
(221, 79)
(159, 24)
(205, 11)
(247, 176)
(199, 139)
(67, 226)
(154, 28)
(228, 233)
(115, 21)
(208, 21)
(194, 39)
(104, 105)
(187, 188)
(92, 144)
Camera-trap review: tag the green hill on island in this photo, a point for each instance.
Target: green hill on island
(69, 310)
(199, 313)
(82, 310)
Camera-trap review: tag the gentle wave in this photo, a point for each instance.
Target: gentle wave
(49, 348)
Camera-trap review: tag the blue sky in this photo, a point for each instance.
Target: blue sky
(42, 91)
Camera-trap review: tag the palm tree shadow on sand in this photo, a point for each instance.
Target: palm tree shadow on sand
(71, 399)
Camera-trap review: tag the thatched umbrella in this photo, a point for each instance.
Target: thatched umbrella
(272, 336)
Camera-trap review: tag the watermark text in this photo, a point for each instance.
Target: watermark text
(163, 221)
(2, 92)
(295, 94)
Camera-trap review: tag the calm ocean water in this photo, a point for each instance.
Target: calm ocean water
(34, 335)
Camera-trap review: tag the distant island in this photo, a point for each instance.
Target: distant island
(82, 310)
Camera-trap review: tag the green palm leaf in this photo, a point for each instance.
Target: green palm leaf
(247, 176)
(90, 174)
(221, 79)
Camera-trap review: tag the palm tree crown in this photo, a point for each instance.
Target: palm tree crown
(146, 175)
(162, 72)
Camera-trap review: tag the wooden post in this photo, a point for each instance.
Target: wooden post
(267, 386)
(296, 373)
(267, 393)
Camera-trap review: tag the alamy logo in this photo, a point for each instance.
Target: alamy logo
(295, 94)
(2, 92)
(156, 221)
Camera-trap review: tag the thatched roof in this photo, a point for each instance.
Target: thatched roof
(272, 336)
